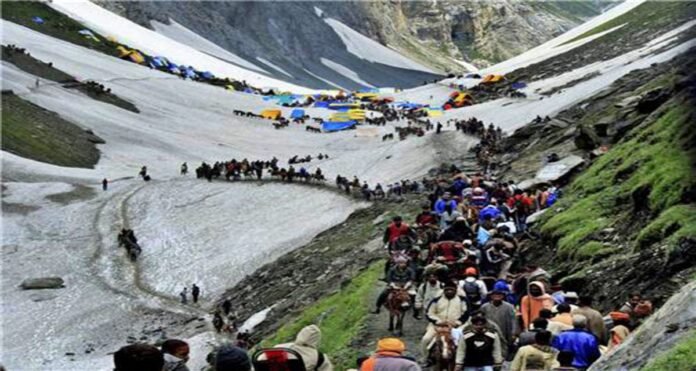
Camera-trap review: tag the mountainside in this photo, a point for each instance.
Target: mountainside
(322, 44)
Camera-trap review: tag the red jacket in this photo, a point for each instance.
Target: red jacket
(394, 232)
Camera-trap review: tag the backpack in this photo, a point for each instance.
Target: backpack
(472, 291)
(551, 199)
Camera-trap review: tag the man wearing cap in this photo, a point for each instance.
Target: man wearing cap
(478, 349)
(447, 309)
(502, 314)
(580, 341)
(389, 357)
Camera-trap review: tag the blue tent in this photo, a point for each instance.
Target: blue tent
(321, 104)
(159, 61)
(337, 125)
(37, 20)
(518, 85)
(297, 113)
(206, 75)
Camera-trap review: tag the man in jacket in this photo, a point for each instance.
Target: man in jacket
(447, 309)
(539, 356)
(427, 291)
(502, 314)
(443, 201)
(478, 349)
(595, 321)
(307, 345)
(389, 357)
(399, 275)
(580, 341)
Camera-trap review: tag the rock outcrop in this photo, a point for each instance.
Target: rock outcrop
(672, 323)
(42, 283)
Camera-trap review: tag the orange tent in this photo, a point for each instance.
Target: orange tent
(491, 79)
(271, 114)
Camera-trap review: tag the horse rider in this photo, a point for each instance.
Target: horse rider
(400, 275)
(447, 309)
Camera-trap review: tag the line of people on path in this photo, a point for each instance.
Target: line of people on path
(455, 263)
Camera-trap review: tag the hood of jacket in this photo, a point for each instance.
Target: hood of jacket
(310, 336)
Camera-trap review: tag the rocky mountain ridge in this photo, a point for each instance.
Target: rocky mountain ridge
(297, 36)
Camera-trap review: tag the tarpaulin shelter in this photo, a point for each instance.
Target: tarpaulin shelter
(37, 20)
(366, 96)
(271, 114)
(491, 79)
(341, 116)
(321, 104)
(297, 113)
(337, 125)
(339, 106)
(434, 112)
(356, 114)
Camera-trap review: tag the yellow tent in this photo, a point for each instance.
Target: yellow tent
(462, 97)
(434, 113)
(271, 114)
(136, 57)
(356, 114)
(122, 52)
(362, 96)
(341, 116)
(490, 79)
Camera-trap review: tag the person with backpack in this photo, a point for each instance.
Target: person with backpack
(306, 344)
(473, 288)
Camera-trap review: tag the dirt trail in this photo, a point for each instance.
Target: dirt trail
(376, 327)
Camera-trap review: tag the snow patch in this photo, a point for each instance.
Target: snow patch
(345, 71)
(178, 32)
(275, 67)
(255, 320)
(368, 49)
(318, 12)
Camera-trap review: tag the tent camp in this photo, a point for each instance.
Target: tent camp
(356, 114)
(330, 126)
(271, 114)
(297, 113)
(491, 79)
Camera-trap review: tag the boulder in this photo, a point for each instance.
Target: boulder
(557, 170)
(42, 283)
(586, 139)
(628, 102)
(662, 331)
(653, 99)
(535, 217)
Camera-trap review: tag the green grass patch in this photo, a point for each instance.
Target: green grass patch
(56, 24)
(339, 316)
(38, 134)
(655, 14)
(673, 224)
(679, 357)
(659, 159)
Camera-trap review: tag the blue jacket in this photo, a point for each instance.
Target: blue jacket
(440, 205)
(581, 342)
(492, 211)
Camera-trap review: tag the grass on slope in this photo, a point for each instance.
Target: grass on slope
(38, 134)
(340, 317)
(55, 24)
(680, 357)
(651, 14)
(656, 165)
